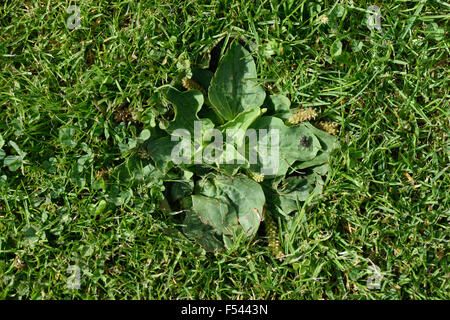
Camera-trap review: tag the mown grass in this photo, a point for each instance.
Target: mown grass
(72, 100)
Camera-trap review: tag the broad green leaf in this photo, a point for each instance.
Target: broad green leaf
(203, 77)
(238, 159)
(322, 169)
(279, 106)
(236, 129)
(294, 190)
(207, 187)
(231, 206)
(279, 157)
(321, 158)
(328, 142)
(160, 150)
(186, 121)
(215, 213)
(247, 197)
(186, 106)
(180, 190)
(204, 234)
(234, 87)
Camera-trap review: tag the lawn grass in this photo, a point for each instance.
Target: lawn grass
(72, 100)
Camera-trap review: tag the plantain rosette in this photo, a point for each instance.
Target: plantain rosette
(225, 204)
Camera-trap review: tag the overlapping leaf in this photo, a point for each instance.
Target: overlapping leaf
(234, 87)
(231, 206)
(276, 158)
